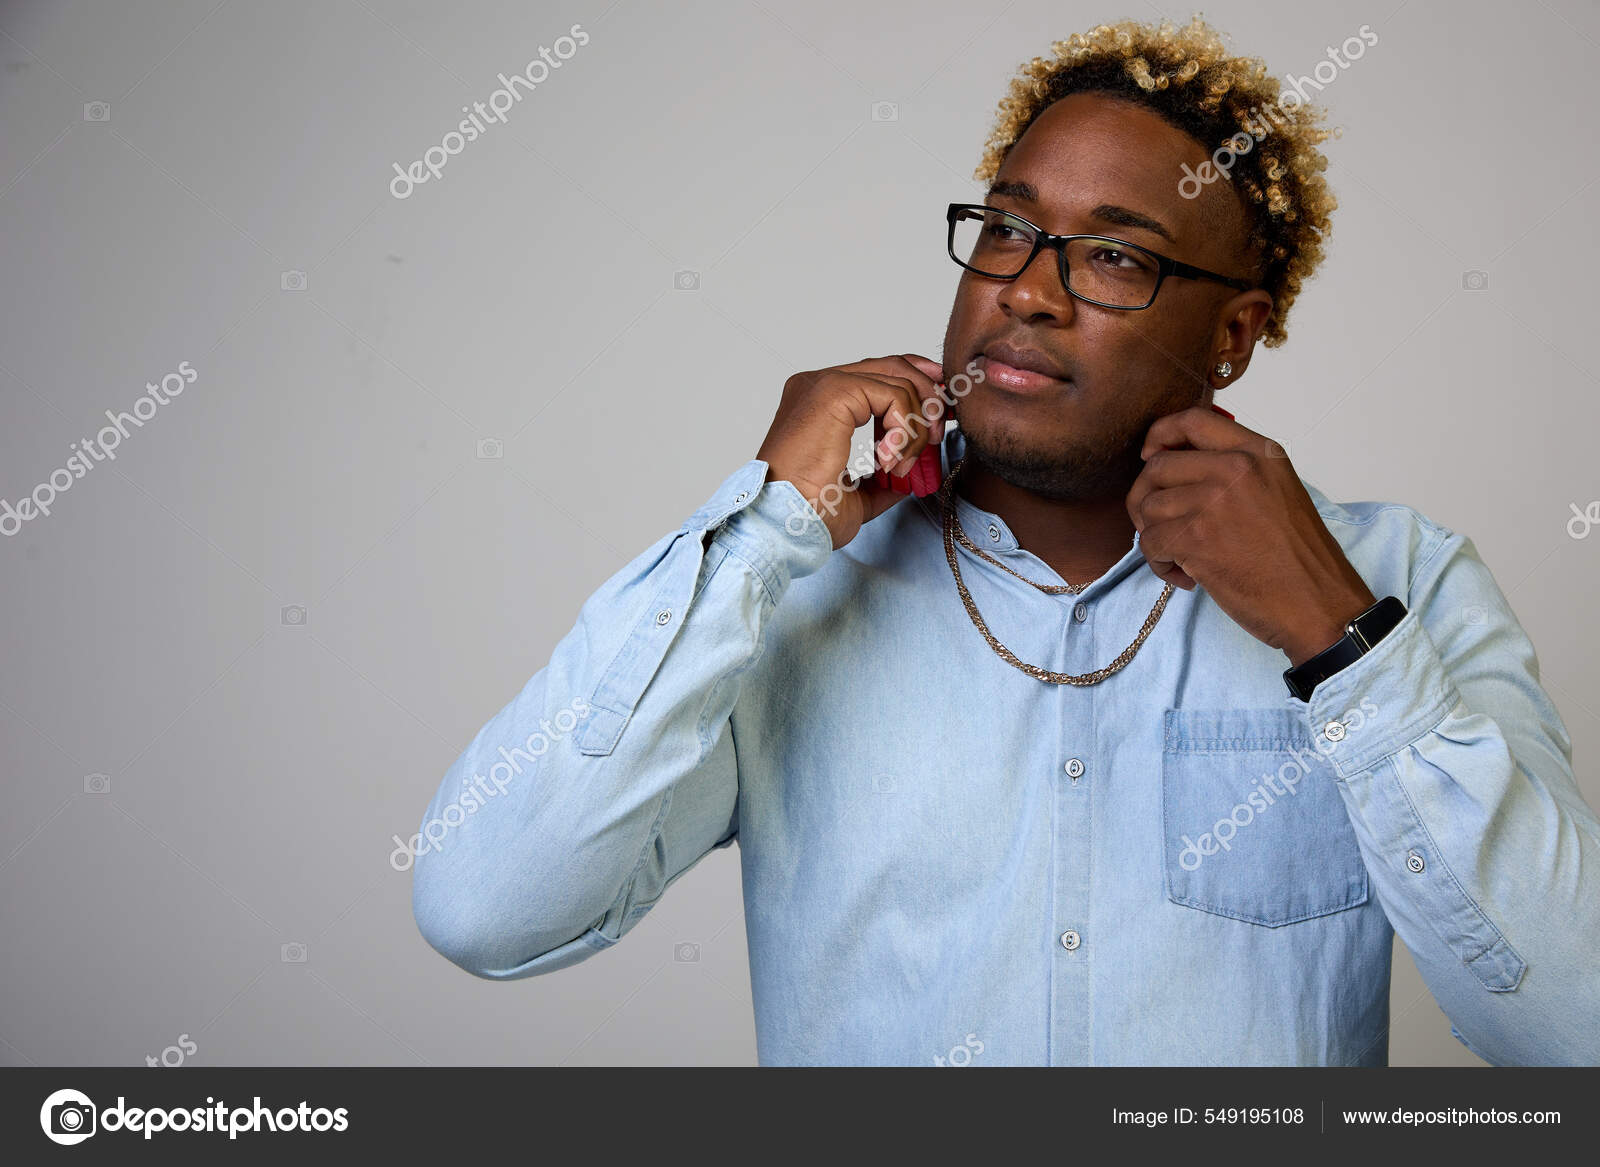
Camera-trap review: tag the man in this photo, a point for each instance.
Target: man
(1017, 768)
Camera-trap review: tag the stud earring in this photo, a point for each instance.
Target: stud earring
(1224, 369)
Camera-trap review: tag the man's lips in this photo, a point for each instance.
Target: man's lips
(1023, 369)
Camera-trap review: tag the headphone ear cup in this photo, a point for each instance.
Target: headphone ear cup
(927, 475)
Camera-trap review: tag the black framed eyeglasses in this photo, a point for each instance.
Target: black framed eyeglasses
(1112, 273)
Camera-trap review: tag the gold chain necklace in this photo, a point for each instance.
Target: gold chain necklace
(953, 532)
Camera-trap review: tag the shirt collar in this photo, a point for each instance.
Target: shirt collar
(990, 532)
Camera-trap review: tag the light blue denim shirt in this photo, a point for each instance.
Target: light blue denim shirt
(941, 854)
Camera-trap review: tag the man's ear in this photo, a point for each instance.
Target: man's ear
(1241, 322)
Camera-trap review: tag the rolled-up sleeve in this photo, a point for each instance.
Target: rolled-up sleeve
(1456, 770)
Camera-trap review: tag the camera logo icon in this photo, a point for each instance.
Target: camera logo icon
(68, 1117)
(686, 281)
(97, 111)
(1475, 281)
(292, 281)
(96, 784)
(883, 783)
(1277, 449)
(885, 111)
(685, 953)
(293, 953)
(293, 616)
(490, 448)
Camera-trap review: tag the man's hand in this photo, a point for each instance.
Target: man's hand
(1219, 505)
(809, 441)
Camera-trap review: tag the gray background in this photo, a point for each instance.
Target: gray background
(327, 456)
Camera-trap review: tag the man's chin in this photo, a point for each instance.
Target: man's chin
(1068, 472)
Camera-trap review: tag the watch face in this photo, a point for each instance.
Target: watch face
(1376, 622)
(1361, 634)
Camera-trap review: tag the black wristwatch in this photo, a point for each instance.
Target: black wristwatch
(1359, 636)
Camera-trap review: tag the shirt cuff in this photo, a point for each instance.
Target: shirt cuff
(1382, 702)
(770, 525)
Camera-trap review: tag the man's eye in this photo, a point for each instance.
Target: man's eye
(1110, 257)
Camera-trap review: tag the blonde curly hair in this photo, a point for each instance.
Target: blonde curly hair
(1187, 76)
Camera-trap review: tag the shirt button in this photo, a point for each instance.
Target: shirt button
(741, 496)
(1080, 613)
(1074, 769)
(994, 533)
(1333, 731)
(664, 616)
(1414, 862)
(1069, 940)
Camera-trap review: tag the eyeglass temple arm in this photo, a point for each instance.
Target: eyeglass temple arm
(1190, 272)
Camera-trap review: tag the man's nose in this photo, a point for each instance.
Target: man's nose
(1039, 292)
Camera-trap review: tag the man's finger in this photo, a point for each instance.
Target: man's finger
(1199, 427)
(1174, 468)
(1166, 569)
(1178, 466)
(1186, 502)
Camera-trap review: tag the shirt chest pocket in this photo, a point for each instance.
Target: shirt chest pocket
(1253, 826)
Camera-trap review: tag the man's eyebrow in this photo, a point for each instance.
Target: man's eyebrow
(1125, 218)
(1105, 212)
(1009, 188)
